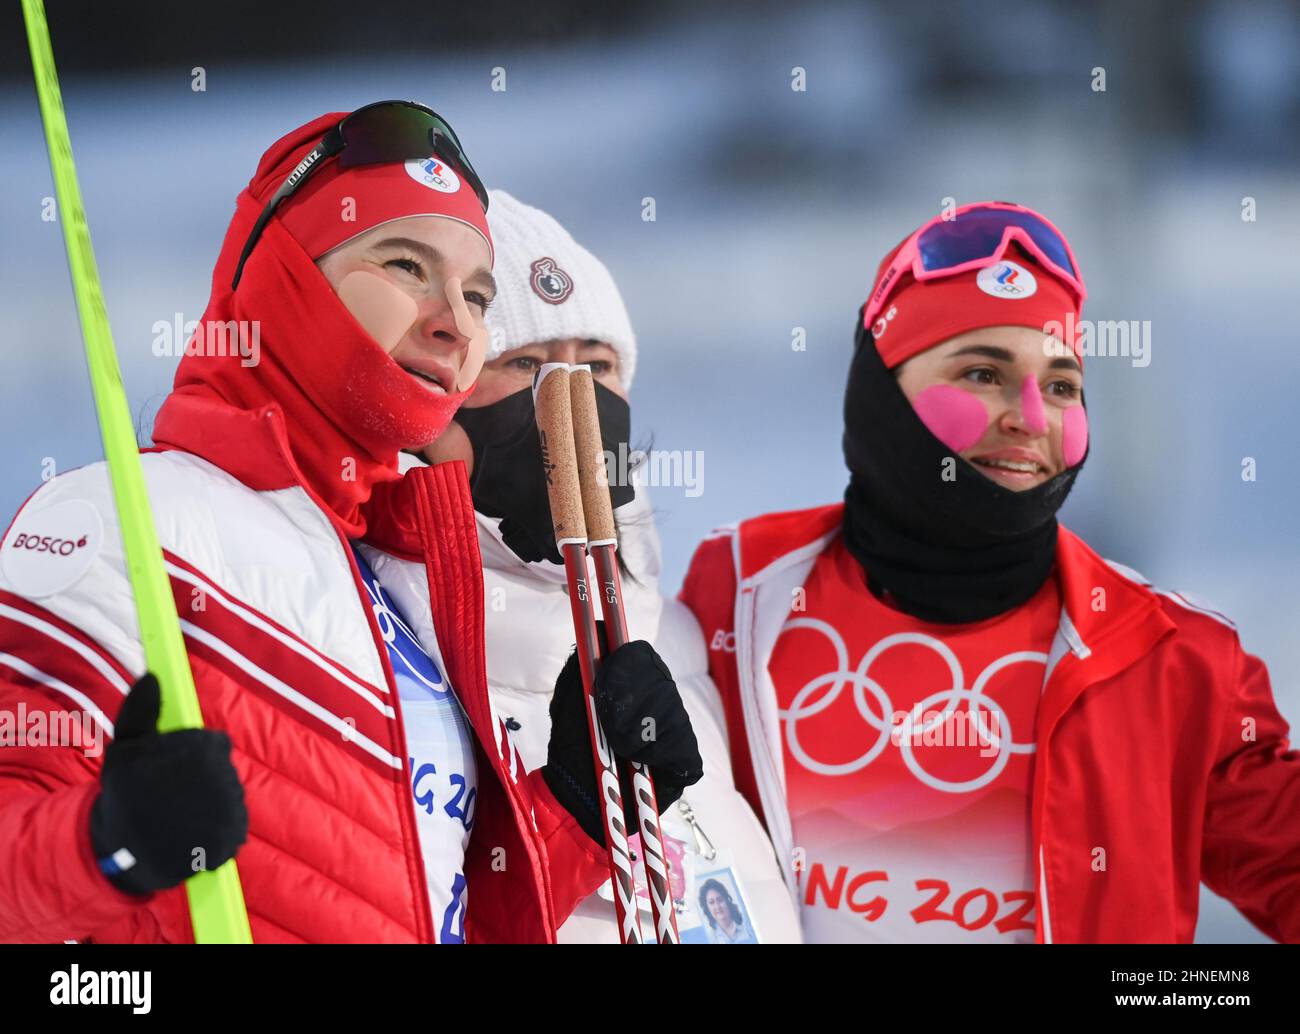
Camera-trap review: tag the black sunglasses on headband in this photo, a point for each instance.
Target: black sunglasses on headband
(386, 131)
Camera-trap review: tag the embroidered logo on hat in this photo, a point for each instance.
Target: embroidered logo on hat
(1006, 279)
(882, 324)
(435, 174)
(550, 283)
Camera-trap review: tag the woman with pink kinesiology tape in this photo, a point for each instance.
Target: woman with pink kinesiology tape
(957, 721)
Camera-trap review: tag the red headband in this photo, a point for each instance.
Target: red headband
(337, 204)
(1013, 291)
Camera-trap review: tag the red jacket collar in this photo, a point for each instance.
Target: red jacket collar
(1102, 603)
(1115, 623)
(1099, 602)
(393, 516)
(251, 445)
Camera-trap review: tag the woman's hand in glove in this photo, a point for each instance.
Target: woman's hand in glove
(644, 721)
(164, 797)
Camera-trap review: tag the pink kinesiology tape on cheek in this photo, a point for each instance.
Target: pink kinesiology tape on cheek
(384, 310)
(957, 418)
(1031, 405)
(1074, 434)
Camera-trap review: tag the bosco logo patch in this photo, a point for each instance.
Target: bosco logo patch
(434, 174)
(49, 549)
(550, 283)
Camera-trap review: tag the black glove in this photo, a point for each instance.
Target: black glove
(162, 795)
(632, 685)
(524, 544)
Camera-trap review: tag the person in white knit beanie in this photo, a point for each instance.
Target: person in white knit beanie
(551, 288)
(556, 302)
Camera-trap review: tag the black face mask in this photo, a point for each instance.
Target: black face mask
(508, 480)
(950, 551)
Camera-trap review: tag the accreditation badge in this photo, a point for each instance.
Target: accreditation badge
(708, 895)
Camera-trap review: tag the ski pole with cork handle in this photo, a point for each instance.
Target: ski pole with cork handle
(602, 544)
(216, 899)
(559, 460)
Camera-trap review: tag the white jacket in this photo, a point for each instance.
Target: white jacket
(529, 635)
(289, 659)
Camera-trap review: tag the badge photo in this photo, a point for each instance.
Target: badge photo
(717, 911)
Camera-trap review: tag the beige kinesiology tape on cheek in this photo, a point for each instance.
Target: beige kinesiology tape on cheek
(476, 336)
(384, 310)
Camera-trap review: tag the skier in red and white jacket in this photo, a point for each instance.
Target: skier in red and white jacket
(958, 722)
(332, 610)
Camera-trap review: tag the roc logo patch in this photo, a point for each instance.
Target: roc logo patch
(434, 174)
(550, 282)
(1006, 279)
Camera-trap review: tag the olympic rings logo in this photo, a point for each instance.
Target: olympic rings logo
(807, 703)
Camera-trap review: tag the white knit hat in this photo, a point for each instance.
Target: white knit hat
(549, 287)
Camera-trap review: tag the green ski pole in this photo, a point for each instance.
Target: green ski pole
(215, 897)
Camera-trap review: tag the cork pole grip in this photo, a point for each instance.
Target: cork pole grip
(592, 472)
(555, 428)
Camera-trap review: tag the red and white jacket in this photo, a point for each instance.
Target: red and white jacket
(288, 659)
(1157, 737)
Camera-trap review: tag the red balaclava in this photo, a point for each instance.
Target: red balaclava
(348, 408)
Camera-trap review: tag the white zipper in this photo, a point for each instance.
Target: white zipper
(1042, 896)
(770, 792)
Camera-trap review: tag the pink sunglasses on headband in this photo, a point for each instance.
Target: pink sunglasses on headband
(972, 237)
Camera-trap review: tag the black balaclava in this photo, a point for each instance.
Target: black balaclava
(508, 481)
(950, 551)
